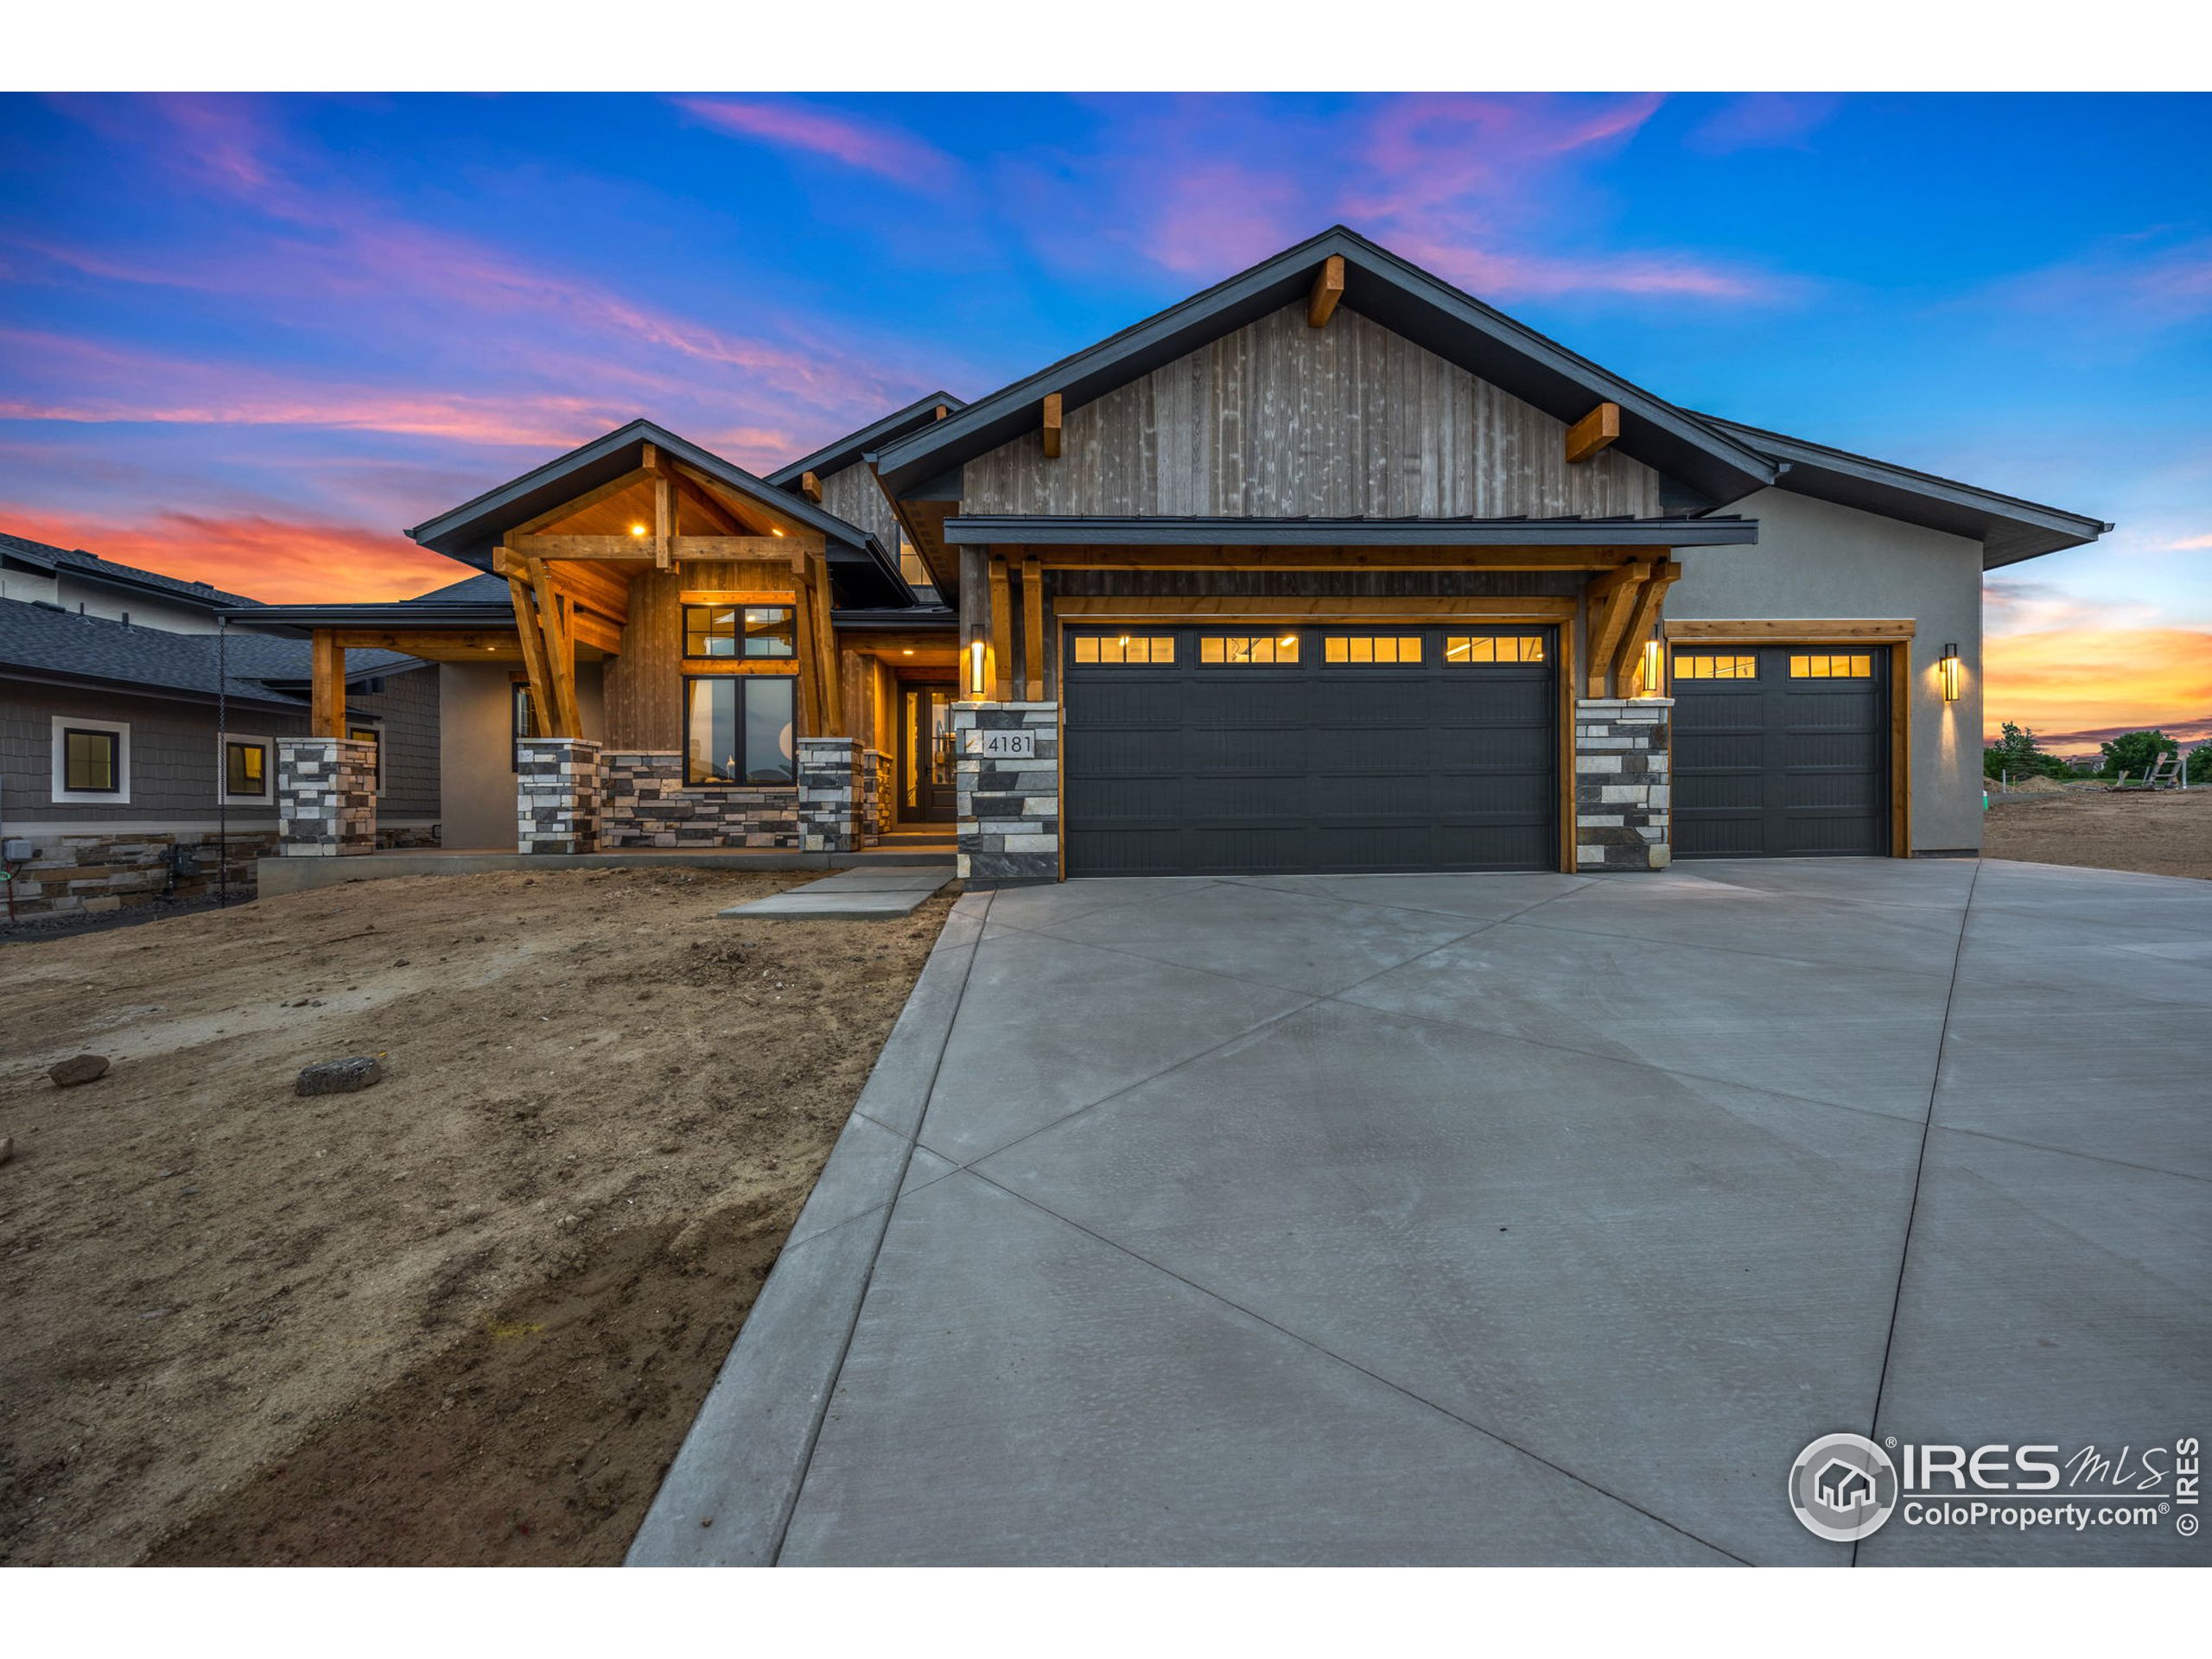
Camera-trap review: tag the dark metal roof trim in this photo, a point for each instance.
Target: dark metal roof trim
(1392, 292)
(925, 618)
(470, 532)
(853, 446)
(398, 616)
(2010, 529)
(1056, 531)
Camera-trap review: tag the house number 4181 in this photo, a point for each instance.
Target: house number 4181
(1003, 746)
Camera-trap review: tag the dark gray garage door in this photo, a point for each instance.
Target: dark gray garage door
(1240, 749)
(1780, 751)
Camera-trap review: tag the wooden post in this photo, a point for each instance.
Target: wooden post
(663, 519)
(1033, 630)
(1611, 598)
(810, 671)
(326, 685)
(560, 653)
(825, 649)
(1628, 655)
(533, 657)
(1001, 629)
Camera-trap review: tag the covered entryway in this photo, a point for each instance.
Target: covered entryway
(1259, 747)
(1781, 750)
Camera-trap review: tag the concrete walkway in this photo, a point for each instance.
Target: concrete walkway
(1484, 1219)
(867, 895)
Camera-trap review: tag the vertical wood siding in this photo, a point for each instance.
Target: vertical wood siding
(645, 684)
(853, 495)
(1279, 420)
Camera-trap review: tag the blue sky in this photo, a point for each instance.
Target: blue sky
(248, 338)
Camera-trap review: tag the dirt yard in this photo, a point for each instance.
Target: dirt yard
(2164, 834)
(462, 1317)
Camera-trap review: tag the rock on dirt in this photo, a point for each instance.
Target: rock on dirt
(338, 1076)
(77, 1068)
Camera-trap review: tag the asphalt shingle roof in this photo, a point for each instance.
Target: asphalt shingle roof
(92, 564)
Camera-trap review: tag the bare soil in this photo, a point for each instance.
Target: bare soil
(463, 1317)
(2169, 833)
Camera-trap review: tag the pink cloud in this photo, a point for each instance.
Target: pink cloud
(1495, 273)
(888, 152)
(1763, 121)
(1424, 152)
(2132, 283)
(1215, 216)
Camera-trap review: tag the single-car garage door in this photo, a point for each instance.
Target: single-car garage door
(1248, 749)
(1780, 751)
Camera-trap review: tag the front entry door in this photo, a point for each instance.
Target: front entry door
(925, 784)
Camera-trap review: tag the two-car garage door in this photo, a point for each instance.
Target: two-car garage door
(1252, 748)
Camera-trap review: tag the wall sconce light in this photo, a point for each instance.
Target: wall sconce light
(1949, 666)
(1651, 664)
(975, 668)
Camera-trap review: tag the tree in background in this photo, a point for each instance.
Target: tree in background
(2199, 767)
(2015, 753)
(2134, 752)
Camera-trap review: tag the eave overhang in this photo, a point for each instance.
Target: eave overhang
(855, 447)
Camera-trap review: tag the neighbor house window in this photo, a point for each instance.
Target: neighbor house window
(1461, 649)
(1229, 648)
(738, 730)
(1138, 648)
(249, 770)
(374, 738)
(739, 630)
(1704, 666)
(1847, 666)
(92, 761)
(1375, 648)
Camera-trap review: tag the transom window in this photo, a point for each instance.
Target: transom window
(1706, 666)
(1854, 665)
(1372, 648)
(1137, 648)
(1461, 649)
(1235, 649)
(739, 630)
(738, 730)
(92, 761)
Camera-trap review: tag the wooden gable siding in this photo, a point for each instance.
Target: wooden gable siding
(853, 494)
(1281, 419)
(644, 686)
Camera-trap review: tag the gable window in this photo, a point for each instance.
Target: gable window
(374, 736)
(1240, 648)
(1372, 648)
(249, 770)
(910, 565)
(1127, 648)
(92, 761)
(1460, 650)
(734, 631)
(738, 730)
(1703, 666)
(1854, 665)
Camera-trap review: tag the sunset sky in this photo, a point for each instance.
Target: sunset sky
(249, 338)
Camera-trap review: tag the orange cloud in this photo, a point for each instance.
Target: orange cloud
(2074, 686)
(285, 562)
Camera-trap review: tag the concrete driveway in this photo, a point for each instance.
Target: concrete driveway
(1504, 1218)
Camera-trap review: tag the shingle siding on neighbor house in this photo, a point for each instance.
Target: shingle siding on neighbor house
(408, 710)
(172, 760)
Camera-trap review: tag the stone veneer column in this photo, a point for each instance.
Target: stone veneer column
(1008, 806)
(829, 794)
(556, 795)
(1624, 811)
(326, 796)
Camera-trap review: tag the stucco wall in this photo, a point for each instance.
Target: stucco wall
(476, 759)
(1815, 559)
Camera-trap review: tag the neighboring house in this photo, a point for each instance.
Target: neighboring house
(1329, 568)
(117, 784)
(88, 585)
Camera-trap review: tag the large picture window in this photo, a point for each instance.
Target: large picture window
(735, 630)
(738, 730)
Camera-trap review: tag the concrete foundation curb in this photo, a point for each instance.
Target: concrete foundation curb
(728, 1495)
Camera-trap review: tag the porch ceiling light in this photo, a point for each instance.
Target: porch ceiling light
(1949, 666)
(777, 529)
(637, 530)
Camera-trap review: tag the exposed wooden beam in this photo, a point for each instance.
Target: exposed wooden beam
(649, 458)
(596, 631)
(1611, 599)
(825, 658)
(326, 685)
(701, 505)
(1053, 412)
(1628, 654)
(1002, 630)
(1594, 432)
(1329, 558)
(1277, 606)
(1328, 288)
(663, 519)
(751, 505)
(802, 647)
(594, 586)
(643, 549)
(560, 652)
(1033, 630)
(432, 644)
(809, 486)
(942, 411)
(533, 656)
(1817, 631)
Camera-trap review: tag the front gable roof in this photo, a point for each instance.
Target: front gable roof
(854, 447)
(1394, 294)
(470, 532)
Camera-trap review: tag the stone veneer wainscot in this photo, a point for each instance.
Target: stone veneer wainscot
(556, 795)
(644, 802)
(1008, 809)
(1623, 814)
(326, 796)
